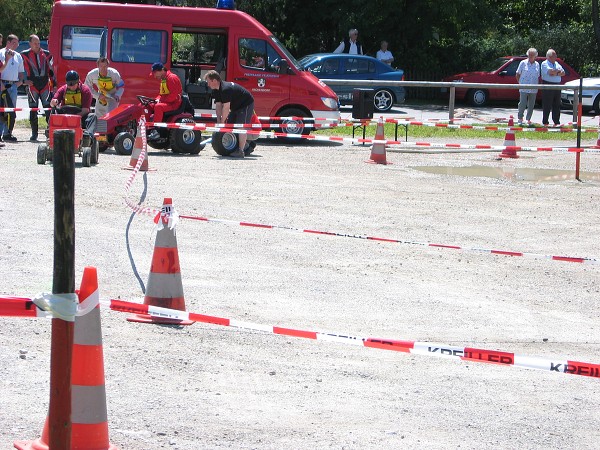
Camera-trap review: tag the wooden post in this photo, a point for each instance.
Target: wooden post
(451, 104)
(63, 282)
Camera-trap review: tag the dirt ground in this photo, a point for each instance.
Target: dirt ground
(206, 386)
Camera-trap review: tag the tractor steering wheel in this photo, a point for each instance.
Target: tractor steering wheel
(145, 101)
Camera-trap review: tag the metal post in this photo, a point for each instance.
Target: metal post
(63, 282)
(576, 101)
(451, 104)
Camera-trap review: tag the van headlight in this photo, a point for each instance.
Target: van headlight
(331, 103)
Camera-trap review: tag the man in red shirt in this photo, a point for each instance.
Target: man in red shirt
(169, 97)
(76, 98)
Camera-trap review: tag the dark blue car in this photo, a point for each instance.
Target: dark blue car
(340, 66)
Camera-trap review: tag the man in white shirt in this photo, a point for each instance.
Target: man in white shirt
(12, 77)
(552, 73)
(350, 45)
(384, 55)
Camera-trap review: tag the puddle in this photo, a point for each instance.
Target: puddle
(511, 173)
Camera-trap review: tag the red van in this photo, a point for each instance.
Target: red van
(189, 41)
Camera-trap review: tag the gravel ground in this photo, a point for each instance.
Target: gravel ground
(205, 386)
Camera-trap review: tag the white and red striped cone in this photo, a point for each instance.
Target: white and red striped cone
(89, 419)
(509, 142)
(138, 146)
(164, 288)
(378, 155)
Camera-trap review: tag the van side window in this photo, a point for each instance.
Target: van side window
(257, 54)
(138, 46)
(82, 42)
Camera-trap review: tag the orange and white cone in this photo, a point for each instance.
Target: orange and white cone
(509, 142)
(139, 145)
(378, 148)
(89, 422)
(164, 288)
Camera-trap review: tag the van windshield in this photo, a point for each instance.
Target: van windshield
(291, 60)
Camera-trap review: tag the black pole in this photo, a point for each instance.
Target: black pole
(63, 282)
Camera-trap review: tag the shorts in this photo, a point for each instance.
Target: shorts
(242, 115)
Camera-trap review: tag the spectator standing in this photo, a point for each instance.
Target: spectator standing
(12, 77)
(38, 66)
(234, 104)
(169, 97)
(106, 85)
(384, 55)
(1, 101)
(528, 72)
(350, 44)
(552, 72)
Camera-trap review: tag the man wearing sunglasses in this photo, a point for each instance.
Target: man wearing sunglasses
(76, 98)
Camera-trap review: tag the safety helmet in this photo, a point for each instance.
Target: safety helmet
(72, 76)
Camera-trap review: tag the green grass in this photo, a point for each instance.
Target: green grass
(417, 131)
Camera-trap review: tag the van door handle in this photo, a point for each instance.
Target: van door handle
(241, 79)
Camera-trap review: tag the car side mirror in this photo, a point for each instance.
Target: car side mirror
(283, 66)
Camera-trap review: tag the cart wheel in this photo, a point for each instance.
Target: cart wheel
(41, 154)
(95, 152)
(124, 143)
(86, 157)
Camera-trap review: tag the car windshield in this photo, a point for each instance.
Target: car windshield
(291, 60)
(306, 61)
(494, 65)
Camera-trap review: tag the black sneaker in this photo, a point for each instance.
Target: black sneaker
(9, 138)
(33, 138)
(154, 135)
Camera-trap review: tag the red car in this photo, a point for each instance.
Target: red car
(501, 71)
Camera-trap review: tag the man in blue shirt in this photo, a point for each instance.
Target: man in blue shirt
(552, 72)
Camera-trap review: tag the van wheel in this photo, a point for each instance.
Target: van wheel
(477, 97)
(383, 100)
(186, 141)
(224, 143)
(293, 126)
(124, 143)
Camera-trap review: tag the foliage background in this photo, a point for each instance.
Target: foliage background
(429, 38)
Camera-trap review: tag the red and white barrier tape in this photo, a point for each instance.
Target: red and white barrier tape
(136, 208)
(583, 260)
(10, 307)
(562, 129)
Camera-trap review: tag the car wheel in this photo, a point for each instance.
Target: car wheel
(477, 97)
(124, 143)
(224, 143)
(383, 100)
(596, 105)
(185, 140)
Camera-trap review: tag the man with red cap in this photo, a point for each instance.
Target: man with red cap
(169, 97)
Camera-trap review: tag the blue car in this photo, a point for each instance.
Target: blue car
(340, 66)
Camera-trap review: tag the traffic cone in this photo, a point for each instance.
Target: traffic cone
(89, 425)
(509, 142)
(164, 288)
(138, 146)
(378, 149)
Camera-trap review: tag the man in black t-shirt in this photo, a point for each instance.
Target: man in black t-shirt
(234, 104)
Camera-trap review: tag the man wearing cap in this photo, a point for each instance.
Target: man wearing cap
(77, 94)
(169, 97)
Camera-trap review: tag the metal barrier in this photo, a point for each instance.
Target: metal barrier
(452, 88)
